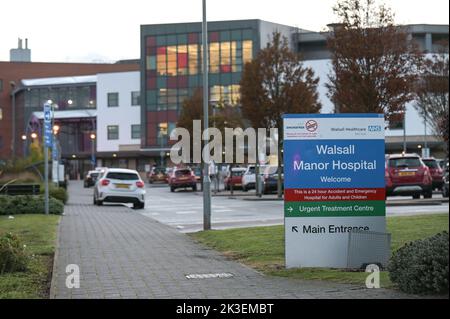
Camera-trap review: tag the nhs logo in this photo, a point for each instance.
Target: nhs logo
(374, 128)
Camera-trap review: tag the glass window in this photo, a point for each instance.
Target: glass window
(172, 60)
(182, 57)
(151, 62)
(152, 97)
(136, 131)
(113, 132)
(135, 98)
(236, 56)
(193, 59)
(214, 56)
(123, 176)
(405, 162)
(247, 51)
(161, 61)
(113, 99)
(225, 57)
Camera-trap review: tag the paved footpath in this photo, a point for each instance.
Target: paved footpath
(122, 254)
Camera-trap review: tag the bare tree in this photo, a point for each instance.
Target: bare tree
(374, 62)
(433, 91)
(276, 83)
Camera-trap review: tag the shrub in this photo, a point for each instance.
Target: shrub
(12, 254)
(29, 204)
(57, 193)
(421, 267)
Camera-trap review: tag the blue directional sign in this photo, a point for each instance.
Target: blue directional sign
(48, 133)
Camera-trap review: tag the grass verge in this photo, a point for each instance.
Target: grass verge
(262, 248)
(38, 233)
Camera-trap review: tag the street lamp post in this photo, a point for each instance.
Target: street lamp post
(206, 179)
(93, 137)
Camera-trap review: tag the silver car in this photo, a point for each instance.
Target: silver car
(118, 185)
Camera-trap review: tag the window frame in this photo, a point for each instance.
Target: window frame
(109, 94)
(133, 137)
(135, 99)
(108, 133)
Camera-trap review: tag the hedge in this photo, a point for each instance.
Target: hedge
(29, 204)
(421, 267)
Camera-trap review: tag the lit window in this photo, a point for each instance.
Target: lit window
(214, 55)
(172, 60)
(247, 53)
(193, 59)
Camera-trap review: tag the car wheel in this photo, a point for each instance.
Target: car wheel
(244, 189)
(172, 189)
(95, 201)
(194, 188)
(138, 205)
(416, 196)
(444, 192)
(428, 194)
(99, 202)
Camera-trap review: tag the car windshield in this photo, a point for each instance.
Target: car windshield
(251, 170)
(238, 173)
(182, 172)
(123, 176)
(159, 171)
(94, 175)
(431, 163)
(405, 162)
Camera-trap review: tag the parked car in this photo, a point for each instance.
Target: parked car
(407, 175)
(445, 181)
(270, 180)
(436, 172)
(234, 178)
(198, 173)
(182, 178)
(90, 178)
(119, 185)
(157, 175)
(249, 177)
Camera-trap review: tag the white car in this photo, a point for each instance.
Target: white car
(118, 185)
(249, 177)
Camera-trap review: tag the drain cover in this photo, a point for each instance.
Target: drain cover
(209, 276)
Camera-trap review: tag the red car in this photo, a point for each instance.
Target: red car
(437, 174)
(236, 179)
(182, 178)
(407, 175)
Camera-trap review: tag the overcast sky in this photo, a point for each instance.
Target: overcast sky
(108, 30)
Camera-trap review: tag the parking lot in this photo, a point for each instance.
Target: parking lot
(183, 209)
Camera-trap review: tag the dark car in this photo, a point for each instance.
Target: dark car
(270, 180)
(182, 178)
(407, 175)
(157, 175)
(91, 178)
(445, 182)
(436, 172)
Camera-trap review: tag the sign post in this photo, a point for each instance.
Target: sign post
(334, 184)
(48, 143)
